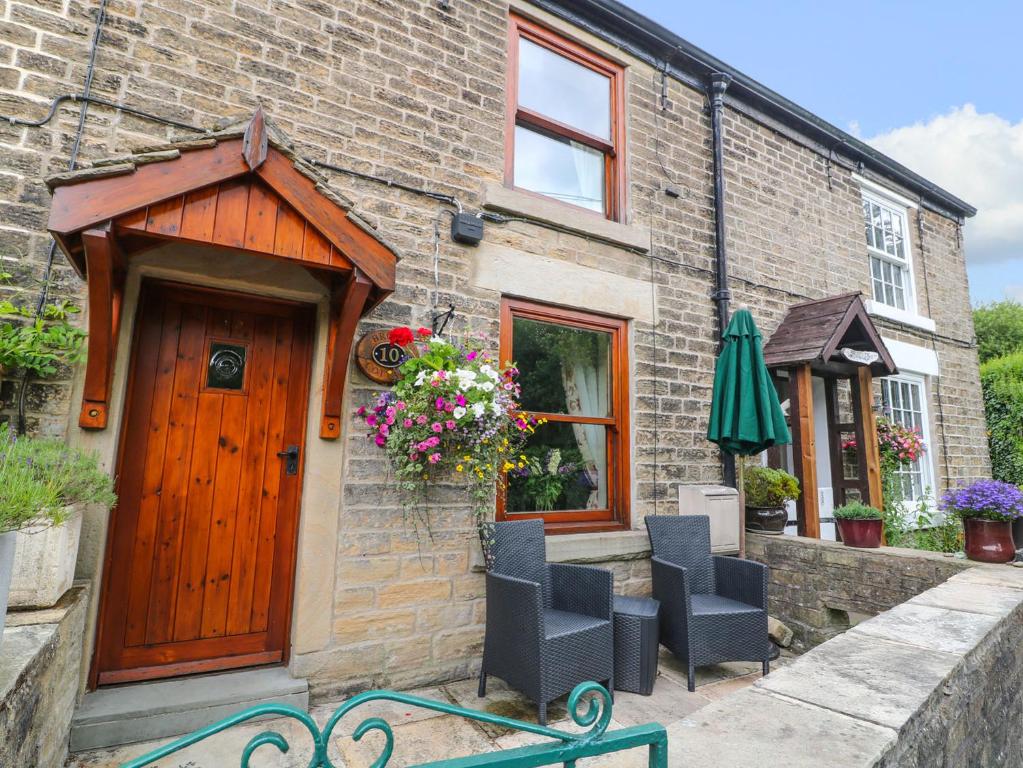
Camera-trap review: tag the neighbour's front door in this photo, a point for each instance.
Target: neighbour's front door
(200, 562)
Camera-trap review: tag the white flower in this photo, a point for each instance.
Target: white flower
(420, 378)
(486, 386)
(497, 408)
(488, 370)
(478, 409)
(459, 412)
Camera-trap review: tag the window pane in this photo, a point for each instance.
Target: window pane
(559, 168)
(563, 369)
(559, 88)
(565, 469)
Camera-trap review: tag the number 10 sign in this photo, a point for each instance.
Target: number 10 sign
(378, 358)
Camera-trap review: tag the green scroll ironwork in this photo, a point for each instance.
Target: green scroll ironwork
(563, 748)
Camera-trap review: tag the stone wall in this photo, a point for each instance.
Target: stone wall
(818, 588)
(409, 91)
(39, 681)
(933, 682)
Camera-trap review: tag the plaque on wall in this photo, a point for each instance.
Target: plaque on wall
(378, 358)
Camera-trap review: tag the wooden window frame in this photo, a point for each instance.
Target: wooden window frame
(613, 150)
(617, 516)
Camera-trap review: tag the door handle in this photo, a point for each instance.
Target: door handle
(290, 456)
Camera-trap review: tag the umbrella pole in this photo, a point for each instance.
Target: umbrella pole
(742, 508)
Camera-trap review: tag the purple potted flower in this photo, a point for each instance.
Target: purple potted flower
(988, 509)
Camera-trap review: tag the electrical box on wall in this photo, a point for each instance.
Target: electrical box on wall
(721, 504)
(466, 228)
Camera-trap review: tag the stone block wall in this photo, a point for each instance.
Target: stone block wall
(933, 682)
(409, 91)
(818, 587)
(40, 662)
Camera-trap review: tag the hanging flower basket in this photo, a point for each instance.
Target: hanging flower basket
(452, 415)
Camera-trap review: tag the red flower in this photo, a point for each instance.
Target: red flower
(401, 336)
(424, 333)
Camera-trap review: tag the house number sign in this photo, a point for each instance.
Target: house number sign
(378, 358)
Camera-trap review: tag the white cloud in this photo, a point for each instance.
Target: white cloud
(979, 158)
(1014, 292)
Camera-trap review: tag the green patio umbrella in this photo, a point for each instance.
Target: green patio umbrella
(745, 415)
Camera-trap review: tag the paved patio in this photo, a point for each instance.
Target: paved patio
(422, 736)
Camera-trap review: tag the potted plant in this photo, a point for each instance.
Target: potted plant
(987, 509)
(453, 413)
(767, 491)
(860, 525)
(44, 485)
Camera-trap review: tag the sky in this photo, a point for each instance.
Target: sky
(936, 85)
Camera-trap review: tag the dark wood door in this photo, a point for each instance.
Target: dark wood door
(200, 561)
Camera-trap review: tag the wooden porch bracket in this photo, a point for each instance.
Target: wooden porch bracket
(804, 450)
(105, 268)
(346, 307)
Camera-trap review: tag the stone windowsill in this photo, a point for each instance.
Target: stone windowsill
(878, 309)
(516, 202)
(598, 547)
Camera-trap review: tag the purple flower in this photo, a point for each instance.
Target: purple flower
(986, 499)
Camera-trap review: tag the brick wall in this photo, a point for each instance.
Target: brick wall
(411, 92)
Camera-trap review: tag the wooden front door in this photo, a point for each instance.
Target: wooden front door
(200, 561)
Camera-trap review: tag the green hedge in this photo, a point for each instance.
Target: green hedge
(1002, 381)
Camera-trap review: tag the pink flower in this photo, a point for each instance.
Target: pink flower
(400, 405)
(440, 403)
(407, 423)
(390, 413)
(460, 399)
(434, 383)
(381, 440)
(384, 429)
(432, 442)
(449, 407)
(371, 420)
(421, 419)
(436, 427)
(471, 356)
(361, 411)
(450, 424)
(434, 458)
(413, 456)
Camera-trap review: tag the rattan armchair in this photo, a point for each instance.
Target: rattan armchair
(549, 625)
(713, 608)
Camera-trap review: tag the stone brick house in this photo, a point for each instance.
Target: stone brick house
(592, 159)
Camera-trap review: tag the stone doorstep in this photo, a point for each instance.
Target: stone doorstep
(154, 710)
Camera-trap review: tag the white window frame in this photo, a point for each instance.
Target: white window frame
(909, 283)
(927, 475)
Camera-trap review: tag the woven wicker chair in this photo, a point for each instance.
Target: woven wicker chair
(549, 625)
(713, 608)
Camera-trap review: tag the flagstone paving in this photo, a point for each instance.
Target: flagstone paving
(423, 736)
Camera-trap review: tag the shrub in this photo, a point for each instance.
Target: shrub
(855, 510)
(999, 327)
(766, 487)
(41, 477)
(1002, 382)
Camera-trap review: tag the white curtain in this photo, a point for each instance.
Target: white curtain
(586, 392)
(589, 177)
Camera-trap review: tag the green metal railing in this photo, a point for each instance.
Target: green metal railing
(564, 748)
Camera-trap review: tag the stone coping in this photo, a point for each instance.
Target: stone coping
(911, 686)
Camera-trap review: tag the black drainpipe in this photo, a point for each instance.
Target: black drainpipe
(718, 85)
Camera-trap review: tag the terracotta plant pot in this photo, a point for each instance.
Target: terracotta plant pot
(865, 534)
(989, 541)
(770, 520)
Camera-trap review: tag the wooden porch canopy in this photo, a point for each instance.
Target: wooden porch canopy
(243, 189)
(833, 338)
